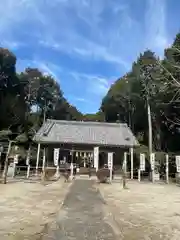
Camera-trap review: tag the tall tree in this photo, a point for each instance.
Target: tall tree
(11, 93)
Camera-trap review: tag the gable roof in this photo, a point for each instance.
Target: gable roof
(78, 132)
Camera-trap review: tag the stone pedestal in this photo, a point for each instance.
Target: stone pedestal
(57, 174)
(156, 176)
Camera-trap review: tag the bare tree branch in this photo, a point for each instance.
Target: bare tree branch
(170, 74)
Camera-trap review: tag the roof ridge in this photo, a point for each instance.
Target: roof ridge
(86, 122)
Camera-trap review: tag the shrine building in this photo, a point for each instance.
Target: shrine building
(77, 141)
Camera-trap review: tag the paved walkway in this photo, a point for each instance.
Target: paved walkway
(81, 217)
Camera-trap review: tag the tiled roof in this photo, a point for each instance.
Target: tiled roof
(95, 133)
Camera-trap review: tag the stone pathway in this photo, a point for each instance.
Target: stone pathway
(81, 216)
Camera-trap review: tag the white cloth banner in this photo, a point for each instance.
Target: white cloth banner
(110, 161)
(152, 160)
(27, 160)
(178, 163)
(142, 161)
(16, 159)
(56, 156)
(124, 166)
(96, 158)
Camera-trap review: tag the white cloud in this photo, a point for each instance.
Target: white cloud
(91, 29)
(75, 43)
(156, 26)
(95, 84)
(61, 24)
(47, 68)
(87, 29)
(98, 85)
(79, 99)
(13, 45)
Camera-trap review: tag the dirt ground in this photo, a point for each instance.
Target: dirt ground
(25, 208)
(144, 210)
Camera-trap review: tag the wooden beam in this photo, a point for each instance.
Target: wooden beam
(6, 163)
(37, 159)
(132, 161)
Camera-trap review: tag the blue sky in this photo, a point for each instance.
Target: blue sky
(86, 44)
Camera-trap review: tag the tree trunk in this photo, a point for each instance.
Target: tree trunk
(6, 163)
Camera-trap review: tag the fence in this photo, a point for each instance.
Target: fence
(158, 167)
(165, 168)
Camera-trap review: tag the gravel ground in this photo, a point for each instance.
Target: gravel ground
(81, 216)
(144, 210)
(26, 207)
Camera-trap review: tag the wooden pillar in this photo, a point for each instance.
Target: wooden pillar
(84, 162)
(44, 160)
(125, 162)
(124, 169)
(152, 161)
(139, 175)
(37, 159)
(14, 164)
(71, 169)
(6, 163)
(72, 165)
(28, 161)
(0, 163)
(132, 167)
(43, 165)
(14, 169)
(28, 171)
(48, 154)
(167, 168)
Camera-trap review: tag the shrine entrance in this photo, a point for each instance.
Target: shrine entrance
(81, 159)
(84, 158)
